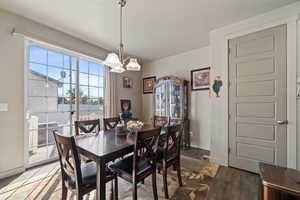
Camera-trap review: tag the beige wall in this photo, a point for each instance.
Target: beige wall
(134, 94)
(181, 66)
(12, 83)
(219, 60)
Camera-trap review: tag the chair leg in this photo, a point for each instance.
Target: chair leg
(154, 185)
(64, 191)
(112, 191)
(79, 196)
(134, 192)
(116, 195)
(179, 174)
(165, 172)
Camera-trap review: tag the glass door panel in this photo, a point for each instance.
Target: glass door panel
(51, 100)
(91, 90)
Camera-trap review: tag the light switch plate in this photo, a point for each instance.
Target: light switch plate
(3, 107)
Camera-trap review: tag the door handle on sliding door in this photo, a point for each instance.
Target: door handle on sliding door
(282, 122)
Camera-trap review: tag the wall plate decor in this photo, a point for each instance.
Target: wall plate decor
(200, 79)
(148, 84)
(217, 85)
(127, 82)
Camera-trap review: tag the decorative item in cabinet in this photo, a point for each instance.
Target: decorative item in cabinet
(170, 95)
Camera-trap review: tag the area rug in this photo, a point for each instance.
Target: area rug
(197, 176)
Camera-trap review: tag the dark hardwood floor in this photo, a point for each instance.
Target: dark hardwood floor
(230, 183)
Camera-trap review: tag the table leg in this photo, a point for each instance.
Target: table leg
(100, 190)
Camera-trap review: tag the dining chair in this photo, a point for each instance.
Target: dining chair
(169, 154)
(81, 178)
(142, 163)
(159, 121)
(110, 123)
(87, 126)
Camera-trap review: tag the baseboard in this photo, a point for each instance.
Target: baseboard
(218, 161)
(199, 147)
(12, 172)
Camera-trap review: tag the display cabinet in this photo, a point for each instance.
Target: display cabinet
(171, 104)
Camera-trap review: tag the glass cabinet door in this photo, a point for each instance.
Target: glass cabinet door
(175, 100)
(160, 98)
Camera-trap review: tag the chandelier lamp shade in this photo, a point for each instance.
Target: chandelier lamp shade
(117, 62)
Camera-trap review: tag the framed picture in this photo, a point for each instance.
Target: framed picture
(148, 84)
(126, 108)
(200, 79)
(127, 82)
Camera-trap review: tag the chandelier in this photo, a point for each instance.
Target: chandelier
(117, 62)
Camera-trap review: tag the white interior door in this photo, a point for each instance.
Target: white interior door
(257, 99)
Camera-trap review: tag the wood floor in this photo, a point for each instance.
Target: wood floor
(230, 183)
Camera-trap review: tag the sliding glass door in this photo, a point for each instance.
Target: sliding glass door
(60, 89)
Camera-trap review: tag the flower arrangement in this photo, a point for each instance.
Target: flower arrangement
(134, 125)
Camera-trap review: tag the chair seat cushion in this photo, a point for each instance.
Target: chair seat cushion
(125, 166)
(89, 175)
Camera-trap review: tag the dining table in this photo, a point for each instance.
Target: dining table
(104, 147)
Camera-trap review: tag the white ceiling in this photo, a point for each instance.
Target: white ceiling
(152, 29)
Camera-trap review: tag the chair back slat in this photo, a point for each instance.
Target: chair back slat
(68, 157)
(173, 141)
(111, 123)
(146, 143)
(87, 126)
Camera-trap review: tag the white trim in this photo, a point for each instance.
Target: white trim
(242, 29)
(199, 147)
(26, 134)
(292, 93)
(12, 172)
(57, 48)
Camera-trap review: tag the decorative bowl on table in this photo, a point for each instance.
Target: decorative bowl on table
(134, 126)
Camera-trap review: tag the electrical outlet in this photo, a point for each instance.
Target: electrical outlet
(3, 107)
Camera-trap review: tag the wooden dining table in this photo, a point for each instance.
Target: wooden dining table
(105, 147)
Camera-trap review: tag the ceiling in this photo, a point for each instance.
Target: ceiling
(152, 28)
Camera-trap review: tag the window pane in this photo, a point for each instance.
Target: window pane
(52, 88)
(37, 71)
(74, 77)
(37, 54)
(83, 79)
(55, 74)
(74, 63)
(101, 92)
(83, 94)
(57, 119)
(83, 66)
(94, 92)
(52, 104)
(65, 74)
(94, 68)
(36, 88)
(93, 80)
(55, 59)
(67, 62)
(101, 70)
(101, 82)
(37, 104)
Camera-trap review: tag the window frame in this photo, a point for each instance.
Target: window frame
(65, 52)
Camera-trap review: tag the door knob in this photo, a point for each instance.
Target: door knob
(282, 122)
